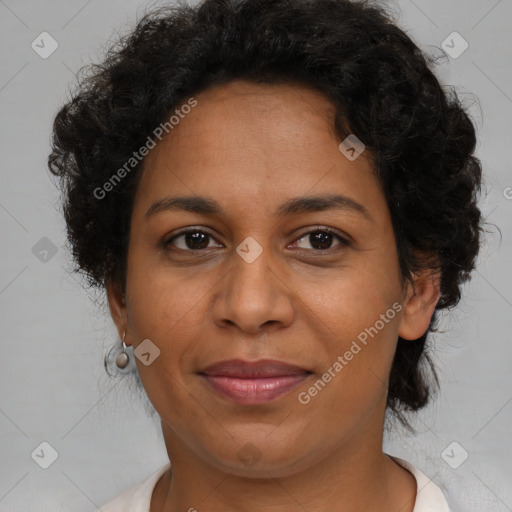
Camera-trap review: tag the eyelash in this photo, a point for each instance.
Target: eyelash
(319, 229)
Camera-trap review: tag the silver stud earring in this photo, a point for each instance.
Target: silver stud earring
(122, 358)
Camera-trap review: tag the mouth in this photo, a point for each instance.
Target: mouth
(256, 382)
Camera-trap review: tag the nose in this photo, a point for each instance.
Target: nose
(254, 294)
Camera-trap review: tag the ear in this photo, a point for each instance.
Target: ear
(117, 306)
(421, 298)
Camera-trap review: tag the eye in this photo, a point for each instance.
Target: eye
(193, 239)
(322, 238)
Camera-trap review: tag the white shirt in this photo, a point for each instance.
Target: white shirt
(429, 498)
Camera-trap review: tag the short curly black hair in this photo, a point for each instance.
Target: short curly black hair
(419, 138)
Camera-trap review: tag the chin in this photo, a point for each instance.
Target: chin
(274, 460)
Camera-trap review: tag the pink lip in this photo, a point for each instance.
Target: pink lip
(255, 382)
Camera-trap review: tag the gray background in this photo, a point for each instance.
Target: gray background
(53, 334)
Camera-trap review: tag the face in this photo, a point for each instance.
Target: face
(316, 286)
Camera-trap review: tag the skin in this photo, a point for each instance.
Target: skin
(251, 147)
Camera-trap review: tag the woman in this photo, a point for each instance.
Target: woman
(277, 198)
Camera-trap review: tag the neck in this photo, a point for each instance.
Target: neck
(357, 476)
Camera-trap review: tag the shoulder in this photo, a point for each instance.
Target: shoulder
(429, 497)
(138, 498)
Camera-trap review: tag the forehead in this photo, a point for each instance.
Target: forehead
(243, 115)
(298, 101)
(254, 142)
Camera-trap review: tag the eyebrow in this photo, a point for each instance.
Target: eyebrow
(304, 204)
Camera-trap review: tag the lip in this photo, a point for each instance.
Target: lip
(253, 382)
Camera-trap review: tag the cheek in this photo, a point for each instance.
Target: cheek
(162, 309)
(364, 292)
(359, 357)
(364, 310)
(154, 303)
(170, 308)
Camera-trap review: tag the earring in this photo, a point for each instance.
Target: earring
(122, 358)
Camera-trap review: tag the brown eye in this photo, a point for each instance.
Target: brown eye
(322, 239)
(193, 239)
